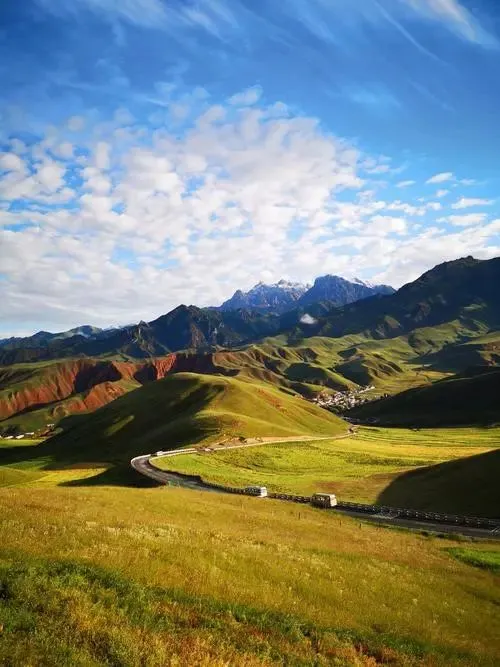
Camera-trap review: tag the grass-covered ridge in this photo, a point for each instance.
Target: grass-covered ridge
(486, 559)
(467, 485)
(469, 398)
(358, 468)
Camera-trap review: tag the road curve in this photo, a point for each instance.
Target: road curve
(142, 464)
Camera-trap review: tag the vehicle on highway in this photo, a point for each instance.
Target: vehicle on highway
(324, 499)
(258, 491)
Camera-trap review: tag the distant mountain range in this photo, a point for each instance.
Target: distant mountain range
(45, 337)
(277, 298)
(284, 296)
(465, 290)
(447, 321)
(246, 316)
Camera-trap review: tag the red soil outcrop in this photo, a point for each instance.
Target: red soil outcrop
(88, 383)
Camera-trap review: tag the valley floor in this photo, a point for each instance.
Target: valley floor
(358, 468)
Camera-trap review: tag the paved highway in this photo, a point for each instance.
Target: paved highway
(143, 465)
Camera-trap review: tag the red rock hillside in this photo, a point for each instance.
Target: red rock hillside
(85, 384)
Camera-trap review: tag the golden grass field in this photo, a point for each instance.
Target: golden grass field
(105, 575)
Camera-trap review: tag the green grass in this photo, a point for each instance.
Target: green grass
(180, 410)
(14, 476)
(167, 576)
(465, 486)
(357, 468)
(485, 559)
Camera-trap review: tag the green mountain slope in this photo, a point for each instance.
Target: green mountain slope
(469, 486)
(460, 400)
(184, 409)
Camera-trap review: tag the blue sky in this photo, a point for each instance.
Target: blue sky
(154, 152)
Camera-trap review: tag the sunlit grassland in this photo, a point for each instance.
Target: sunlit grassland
(145, 577)
(487, 559)
(25, 442)
(356, 468)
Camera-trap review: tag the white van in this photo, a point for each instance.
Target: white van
(259, 491)
(324, 500)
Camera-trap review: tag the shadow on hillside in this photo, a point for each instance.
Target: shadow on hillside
(120, 475)
(47, 458)
(464, 486)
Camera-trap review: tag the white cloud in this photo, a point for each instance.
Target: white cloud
(11, 162)
(405, 184)
(102, 155)
(466, 220)
(308, 319)
(441, 178)
(64, 150)
(442, 193)
(382, 225)
(168, 216)
(50, 175)
(247, 97)
(469, 202)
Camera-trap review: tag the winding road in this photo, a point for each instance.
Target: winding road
(142, 464)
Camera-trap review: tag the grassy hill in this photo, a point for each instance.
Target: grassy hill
(466, 486)
(180, 410)
(469, 398)
(95, 576)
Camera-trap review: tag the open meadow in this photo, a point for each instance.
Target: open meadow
(357, 468)
(127, 576)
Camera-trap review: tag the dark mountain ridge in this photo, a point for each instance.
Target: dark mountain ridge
(465, 289)
(340, 291)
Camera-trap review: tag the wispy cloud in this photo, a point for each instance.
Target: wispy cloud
(405, 184)
(323, 18)
(470, 202)
(453, 15)
(375, 96)
(144, 13)
(209, 15)
(441, 178)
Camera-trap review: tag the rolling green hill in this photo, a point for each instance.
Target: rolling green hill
(469, 398)
(357, 468)
(183, 409)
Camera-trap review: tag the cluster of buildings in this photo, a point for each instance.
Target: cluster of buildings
(343, 400)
